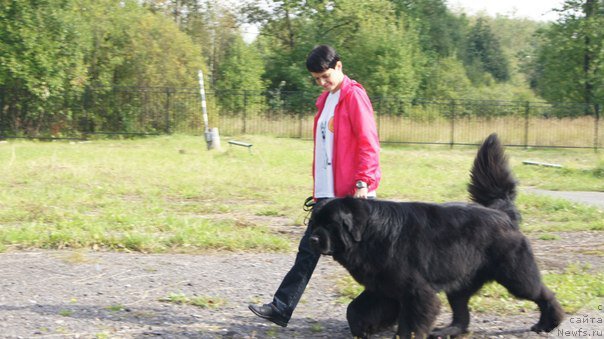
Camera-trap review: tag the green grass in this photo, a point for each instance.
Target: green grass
(575, 289)
(139, 195)
(199, 301)
(115, 308)
(546, 214)
(581, 170)
(169, 193)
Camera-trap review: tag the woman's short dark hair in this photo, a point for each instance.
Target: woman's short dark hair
(321, 58)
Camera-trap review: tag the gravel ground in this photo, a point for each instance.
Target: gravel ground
(79, 294)
(86, 294)
(52, 294)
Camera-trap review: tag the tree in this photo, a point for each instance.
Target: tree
(377, 48)
(133, 47)
(240, 74)
(446, 79)
(211, 24)
(52, 50)
(484, 53)
(440, 31)
(42, 61)
(570, 61)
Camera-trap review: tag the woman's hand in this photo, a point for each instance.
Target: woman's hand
(361, 193)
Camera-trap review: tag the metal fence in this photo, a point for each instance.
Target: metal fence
(144, 111)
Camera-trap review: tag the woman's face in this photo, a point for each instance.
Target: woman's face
(330, 79)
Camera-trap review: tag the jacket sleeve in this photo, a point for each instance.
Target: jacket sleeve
(365, 131)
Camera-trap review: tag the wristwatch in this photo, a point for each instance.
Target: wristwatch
(361, 184)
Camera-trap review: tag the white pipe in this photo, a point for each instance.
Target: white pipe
(204, 109)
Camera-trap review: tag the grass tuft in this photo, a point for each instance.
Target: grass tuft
(199, 301)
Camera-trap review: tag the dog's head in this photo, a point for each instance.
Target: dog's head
(338, 224)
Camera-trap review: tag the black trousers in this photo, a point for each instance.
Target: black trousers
(290, 291)
(294, 283)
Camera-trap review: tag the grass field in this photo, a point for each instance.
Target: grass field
(171, 194)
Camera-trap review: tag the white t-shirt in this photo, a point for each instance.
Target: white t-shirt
(324, 148)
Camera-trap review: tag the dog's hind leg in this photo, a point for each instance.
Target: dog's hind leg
(552, 313)
(518, 272)
(458, 300)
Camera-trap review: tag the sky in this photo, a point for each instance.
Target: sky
(538, 10)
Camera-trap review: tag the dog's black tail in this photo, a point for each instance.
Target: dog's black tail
(492, 182)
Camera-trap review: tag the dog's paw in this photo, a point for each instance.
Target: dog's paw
(446, 332)
(539, 328)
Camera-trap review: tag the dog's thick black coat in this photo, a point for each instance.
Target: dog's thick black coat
(405, 252)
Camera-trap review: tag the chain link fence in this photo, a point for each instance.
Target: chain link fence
(151, 111)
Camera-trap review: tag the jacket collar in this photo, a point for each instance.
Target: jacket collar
(345, 88)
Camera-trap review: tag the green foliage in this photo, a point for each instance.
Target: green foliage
(133, 47)
(446, 79)
(570, 60)
(377, 50)
(240, 72)
(211, 24)
(440, 31)
(396, 61)
(50, 51)
(484, 53)
(42, 61)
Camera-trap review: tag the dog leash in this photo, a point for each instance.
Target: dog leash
(308, 205)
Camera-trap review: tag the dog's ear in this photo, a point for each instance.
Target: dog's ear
(354, 217)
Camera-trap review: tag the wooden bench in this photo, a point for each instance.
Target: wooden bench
(536, 163)
(241, 143)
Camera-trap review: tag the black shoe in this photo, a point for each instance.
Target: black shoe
(269, 312)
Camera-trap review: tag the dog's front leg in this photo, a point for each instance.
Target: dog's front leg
(418, 310)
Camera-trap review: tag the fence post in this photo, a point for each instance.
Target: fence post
(527, 108)
(452, 123)
(244, 128)
(596, 130)
(378, 115)
(167, 114)
(300, 123)
(301, 116)
(85, 107)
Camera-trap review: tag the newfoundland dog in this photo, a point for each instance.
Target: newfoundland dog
(404, 253)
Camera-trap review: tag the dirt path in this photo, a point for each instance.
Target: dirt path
(62, 294)
(117, 295)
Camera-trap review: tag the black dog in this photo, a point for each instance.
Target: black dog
(405, 252)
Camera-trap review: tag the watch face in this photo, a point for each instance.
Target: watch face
(361, 184)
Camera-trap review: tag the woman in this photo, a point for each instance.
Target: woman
(345, 163)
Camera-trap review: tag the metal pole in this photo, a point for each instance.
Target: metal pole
(204, 110)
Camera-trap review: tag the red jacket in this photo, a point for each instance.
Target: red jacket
(356, 146)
